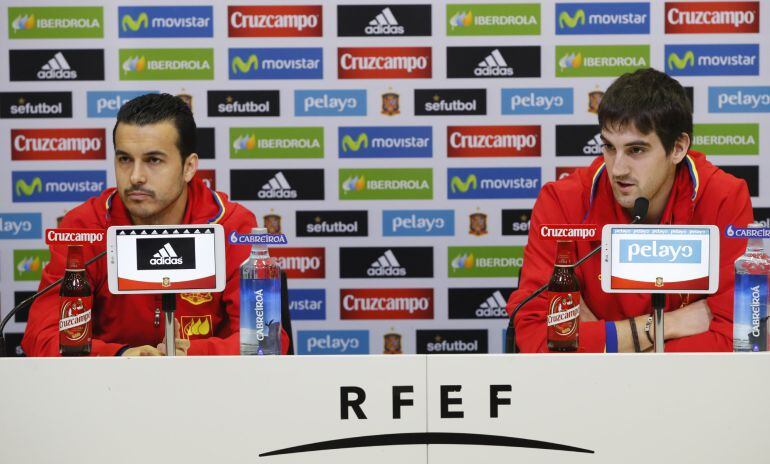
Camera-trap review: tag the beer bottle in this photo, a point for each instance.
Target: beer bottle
(75, 302)
(563, 301)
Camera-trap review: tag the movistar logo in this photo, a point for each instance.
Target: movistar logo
(680, 63)
(463, 186)
(244, 66)
(129, 23)
(28, 189)
(354, 145)
(572, 21)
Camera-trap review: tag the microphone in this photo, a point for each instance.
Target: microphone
(29, 301)
(637, 215)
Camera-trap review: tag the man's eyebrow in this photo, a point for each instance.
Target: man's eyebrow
(637, 143)
(155, 153)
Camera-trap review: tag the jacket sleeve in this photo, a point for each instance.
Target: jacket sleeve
(41, 337)
(231, 297)
(539, 258)
(735, 208)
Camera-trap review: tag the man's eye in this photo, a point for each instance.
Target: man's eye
(607, 147)
(637, 150)
(155, 160)
(123, 159)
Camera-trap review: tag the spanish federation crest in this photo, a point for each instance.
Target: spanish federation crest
(659, 281)
(594, 99)
(478, 224)
(272, 223)
(187, 99)
(392, 343)
(390, 105)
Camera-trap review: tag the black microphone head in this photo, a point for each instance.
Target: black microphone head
(640, 209)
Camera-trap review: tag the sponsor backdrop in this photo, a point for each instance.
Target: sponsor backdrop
(399, 147)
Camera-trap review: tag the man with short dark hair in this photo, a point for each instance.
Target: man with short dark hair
(155, 165)
(646, 129)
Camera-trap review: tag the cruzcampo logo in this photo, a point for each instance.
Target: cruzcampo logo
(600, 60)
(53, 22)
(142, 64)
(27, 190)
(680, 62)
(457, 184)
(130, 24)
(276, 142)
(571, 22)
(351, 144)
(493, 19)
(486, 261)
(386, 184)
(726, 139)
(29, 264)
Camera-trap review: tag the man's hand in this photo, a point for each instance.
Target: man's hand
(182, 344)
(145, 350)
(693, 319)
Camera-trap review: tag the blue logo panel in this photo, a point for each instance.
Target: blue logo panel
(537, 101)
(106, 104)
(739, 99)
(20, 226)
(37, 186)
(418, 223)
(386, 142)
(307, 304)
(330, 103)
(276, 63)
(332, 342)
(712, 60)
(602, 18)
(479, 183)
(140, 22)
(660, 251)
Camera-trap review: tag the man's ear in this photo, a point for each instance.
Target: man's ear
(190, 167)
(681, 145)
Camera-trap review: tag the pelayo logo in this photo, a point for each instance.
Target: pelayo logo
(602, 18)
(54, 22)
(29, 264)
(105, 104)
(493, 19)
(537, 101)
(386, 184)
(712, 60)
(726, 139)
(166, 64)
(307, 304)
(712, 17)
(276, 142)
(600, 60)
(332, 342)
(486, 261)
(386, 142)
(20, 226)
(739, 99)
(330, 103)
(40, 186)
(477, 183)
(57, 144)
(660, 251)
(165, 21)
(417, 223)
(276, 63)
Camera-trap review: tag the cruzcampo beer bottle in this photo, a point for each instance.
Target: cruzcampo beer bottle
(75, 302)
(563, 301)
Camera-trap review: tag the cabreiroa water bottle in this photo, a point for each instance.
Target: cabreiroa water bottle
(260, 302)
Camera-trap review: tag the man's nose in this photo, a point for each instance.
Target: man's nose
(138, 175)
(620, 166)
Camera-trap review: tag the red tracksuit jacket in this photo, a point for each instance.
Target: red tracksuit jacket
(702, 194)
(209, 320)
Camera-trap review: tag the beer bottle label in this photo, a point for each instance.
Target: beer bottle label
(563, 312)
(75, 320)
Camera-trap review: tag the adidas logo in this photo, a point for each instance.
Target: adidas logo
(277, 187)
(493, 65)
(165, 255)
(494, 306)
(386, 266)
(384, 24)
(594, 146)
(57, 68)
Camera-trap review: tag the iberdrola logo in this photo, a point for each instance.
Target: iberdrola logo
(135, 63)
(354, 184)
(354, 145)
(461, 19)
(143, 21)
(674, 61)
(572, 21)
(245, 66)
(462, 186)
(23, 23)
(463, 261)
(571, 60)
(245, 142)
(29, 264)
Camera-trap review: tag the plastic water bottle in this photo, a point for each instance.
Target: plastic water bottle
(260, 302)
(751, 280)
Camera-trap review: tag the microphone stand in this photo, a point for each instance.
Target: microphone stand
(29, 300)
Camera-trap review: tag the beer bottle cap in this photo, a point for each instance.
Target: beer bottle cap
(74, 257)
(565, 253)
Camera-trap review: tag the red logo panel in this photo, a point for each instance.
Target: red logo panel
(57, 144)
(473, 141)
(208, 176)
(275, 21)
(301, 263)
(712, 17)
(384, 63)
(564, 171)
(386, 303)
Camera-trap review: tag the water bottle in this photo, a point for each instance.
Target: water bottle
(750, 305)
(260, 302)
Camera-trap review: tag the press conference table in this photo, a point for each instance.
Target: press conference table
(450, 409)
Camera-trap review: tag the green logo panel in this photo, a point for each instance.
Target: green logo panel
(726, 139)
(493, 19)
(143, 64)
(276, 142)
(485, 261)
(54, 22)
(600, 60)
(386, 184)
(29, 264)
